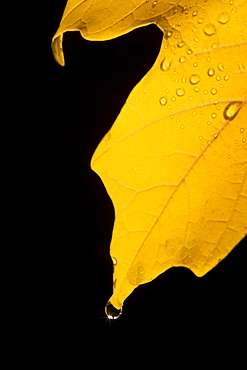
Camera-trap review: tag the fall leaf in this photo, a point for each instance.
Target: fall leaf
(174, 163)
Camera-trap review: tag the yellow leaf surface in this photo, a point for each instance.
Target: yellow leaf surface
(175, 161)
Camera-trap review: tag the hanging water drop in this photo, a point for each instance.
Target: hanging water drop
(112, 312)
(114, 261)
(231, 110)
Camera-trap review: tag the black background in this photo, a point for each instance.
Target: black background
(73, 217)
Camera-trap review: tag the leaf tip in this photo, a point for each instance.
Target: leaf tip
(57, 49)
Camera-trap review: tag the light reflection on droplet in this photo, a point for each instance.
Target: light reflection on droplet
(112, 312)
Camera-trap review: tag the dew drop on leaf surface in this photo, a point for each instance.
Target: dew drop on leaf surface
(209, 29)
(223, 18)
(231, 110)
(163, 101)
(180, 92)
(194, 79)
(211, 72)
(166, 64)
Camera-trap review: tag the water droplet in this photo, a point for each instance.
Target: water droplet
(220, 67)
(231, 2)
(205, 91)
(226, 77)
(194, 13)
(138, 273)
(242, 130)
(114, 260)
(111, 312)
(200, 137)
(231, 110)
(181, 44)
(209, 122)
(244, 140)
(241, 67)
(215, 45)
(189, 51)
(194, 79)
(213, 115)
(200, 20)
(195, 65)
(196, 39)
(163, 100)
(154, 4)
(223, 18)
(166, 64)
(210, 72)
(213, 91)
(173, 98)
(168, 34)
(196, 89)
(182, 59)
(218, 78)
(209, 29)
(180, 92)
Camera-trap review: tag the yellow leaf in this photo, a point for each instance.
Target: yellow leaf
(175, 161)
